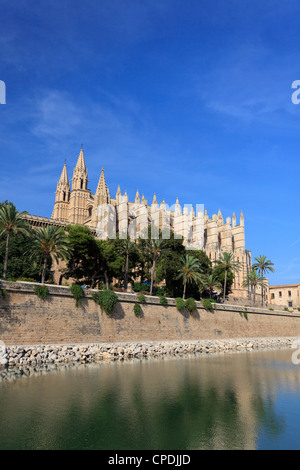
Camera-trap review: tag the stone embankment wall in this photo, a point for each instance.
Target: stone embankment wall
(25, 319)
(43, 356)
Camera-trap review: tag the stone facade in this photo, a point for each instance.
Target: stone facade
(76, 204)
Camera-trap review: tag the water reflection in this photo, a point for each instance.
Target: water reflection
(212, 402)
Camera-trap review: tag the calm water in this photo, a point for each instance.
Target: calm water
(234, 401)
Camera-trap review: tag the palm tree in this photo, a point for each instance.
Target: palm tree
(156, 248)
(227, 263)
(11, 223)
(189, 271)
(126, 248)
(254, 280)
(209, 283)
(50, 243)
(263, 266)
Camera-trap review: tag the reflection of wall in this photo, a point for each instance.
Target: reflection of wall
(219, 402)
(26, 319)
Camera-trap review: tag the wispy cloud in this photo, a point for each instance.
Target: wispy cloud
(251, 85)
(294, 243)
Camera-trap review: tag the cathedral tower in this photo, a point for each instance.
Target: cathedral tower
(79, 210)
(62, 197)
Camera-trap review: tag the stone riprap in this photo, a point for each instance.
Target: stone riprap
(34, 355)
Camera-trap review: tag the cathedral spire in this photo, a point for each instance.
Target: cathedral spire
(242, 222)
(62, 196)
(80, 176)
(102, 183)
(102, 189)
(233, 220)
(137, 197)
(80, 162)
(64, 180)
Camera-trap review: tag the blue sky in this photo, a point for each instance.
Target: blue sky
(189, 99)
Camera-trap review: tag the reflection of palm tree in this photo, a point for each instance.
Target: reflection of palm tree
(226, 263)
(264, 266)
(254, 280)
(11, 223)
(189, 271)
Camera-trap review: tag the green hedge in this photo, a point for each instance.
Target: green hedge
(107, 300)
(163, 300)
(41, 291)
(141, 298)
(180, 304)
(208, 304)
(3, 293)
(190, 305)
(137, 310)
(77, 293)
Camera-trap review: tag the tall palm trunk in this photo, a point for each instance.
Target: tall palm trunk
(262, 290)
(44, 269)
(184, 289)
(106, 280)
(6, 256)
(126, 272)
(224, 290)
(152, 275)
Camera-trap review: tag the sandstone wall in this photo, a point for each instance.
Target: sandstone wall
(26, 319)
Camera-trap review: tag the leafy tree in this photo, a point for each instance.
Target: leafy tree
(189, 271)
(169, 263)
(83, 249)
(92, 261)
(263, 266)
(20, 265)
(51, 243)
(11, 223)
(226, 265)
(110, 263)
